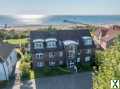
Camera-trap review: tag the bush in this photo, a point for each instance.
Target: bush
(25, 68)
(84, 67)
(27, 58)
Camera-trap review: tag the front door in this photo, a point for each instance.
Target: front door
(71, 64)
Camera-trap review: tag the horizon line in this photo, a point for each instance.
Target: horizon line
(65, 14)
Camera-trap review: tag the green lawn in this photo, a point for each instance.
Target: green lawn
(17, 41)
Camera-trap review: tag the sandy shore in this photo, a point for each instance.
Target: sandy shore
(61, 27)
(36, 27)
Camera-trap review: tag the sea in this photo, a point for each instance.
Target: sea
(19, 20)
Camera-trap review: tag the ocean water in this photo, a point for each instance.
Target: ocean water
(58, 19)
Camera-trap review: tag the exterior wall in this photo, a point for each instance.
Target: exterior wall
(46, 58)
(64, 58)
(79, 39)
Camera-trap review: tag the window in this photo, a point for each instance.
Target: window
(71, 47)
(51, 63)
(51, 44)
(78, 53)
(78, 59)
(87, 59)
(39, 55)
(40, 64)
(87, 40)
(71, 54)
(38, 45)
(87, 51)
(60, 62)
(60, 53)
(51, 54)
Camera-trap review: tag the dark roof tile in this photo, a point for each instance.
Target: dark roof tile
(5, 50)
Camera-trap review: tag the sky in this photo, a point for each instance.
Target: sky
(60, 7)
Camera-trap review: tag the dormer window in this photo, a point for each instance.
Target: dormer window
(87, 40)
(38, 44)
(51, 42)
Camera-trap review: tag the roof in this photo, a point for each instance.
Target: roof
(5, 50)
(107, 34)
(60, 34)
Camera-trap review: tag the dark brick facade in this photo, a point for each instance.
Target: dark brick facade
(74, 46)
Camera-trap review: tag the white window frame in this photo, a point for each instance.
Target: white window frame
(40, 64)
(61, 54)
(78, 53)
(72, 47)
(39, 55)
(38, 45)
(51, 44)
(52, 63)
(78, 59)
(51, 54)
(60, 62)
(69, 54)
(88, 51)
(87, 58)
(87, 40)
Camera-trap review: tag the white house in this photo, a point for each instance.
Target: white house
(8, 59)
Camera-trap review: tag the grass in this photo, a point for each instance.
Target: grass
(17, 41)
(46, 72)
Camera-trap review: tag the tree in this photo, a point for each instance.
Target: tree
(109, 66)
(24, 68)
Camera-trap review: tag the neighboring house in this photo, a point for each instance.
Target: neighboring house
(70, 47)
(8, 59)
(105, 36)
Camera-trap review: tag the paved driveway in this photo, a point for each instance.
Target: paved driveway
(73, 81)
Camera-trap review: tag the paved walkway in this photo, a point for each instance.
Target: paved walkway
(15, 84)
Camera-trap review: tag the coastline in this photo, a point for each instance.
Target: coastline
(62, 27)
